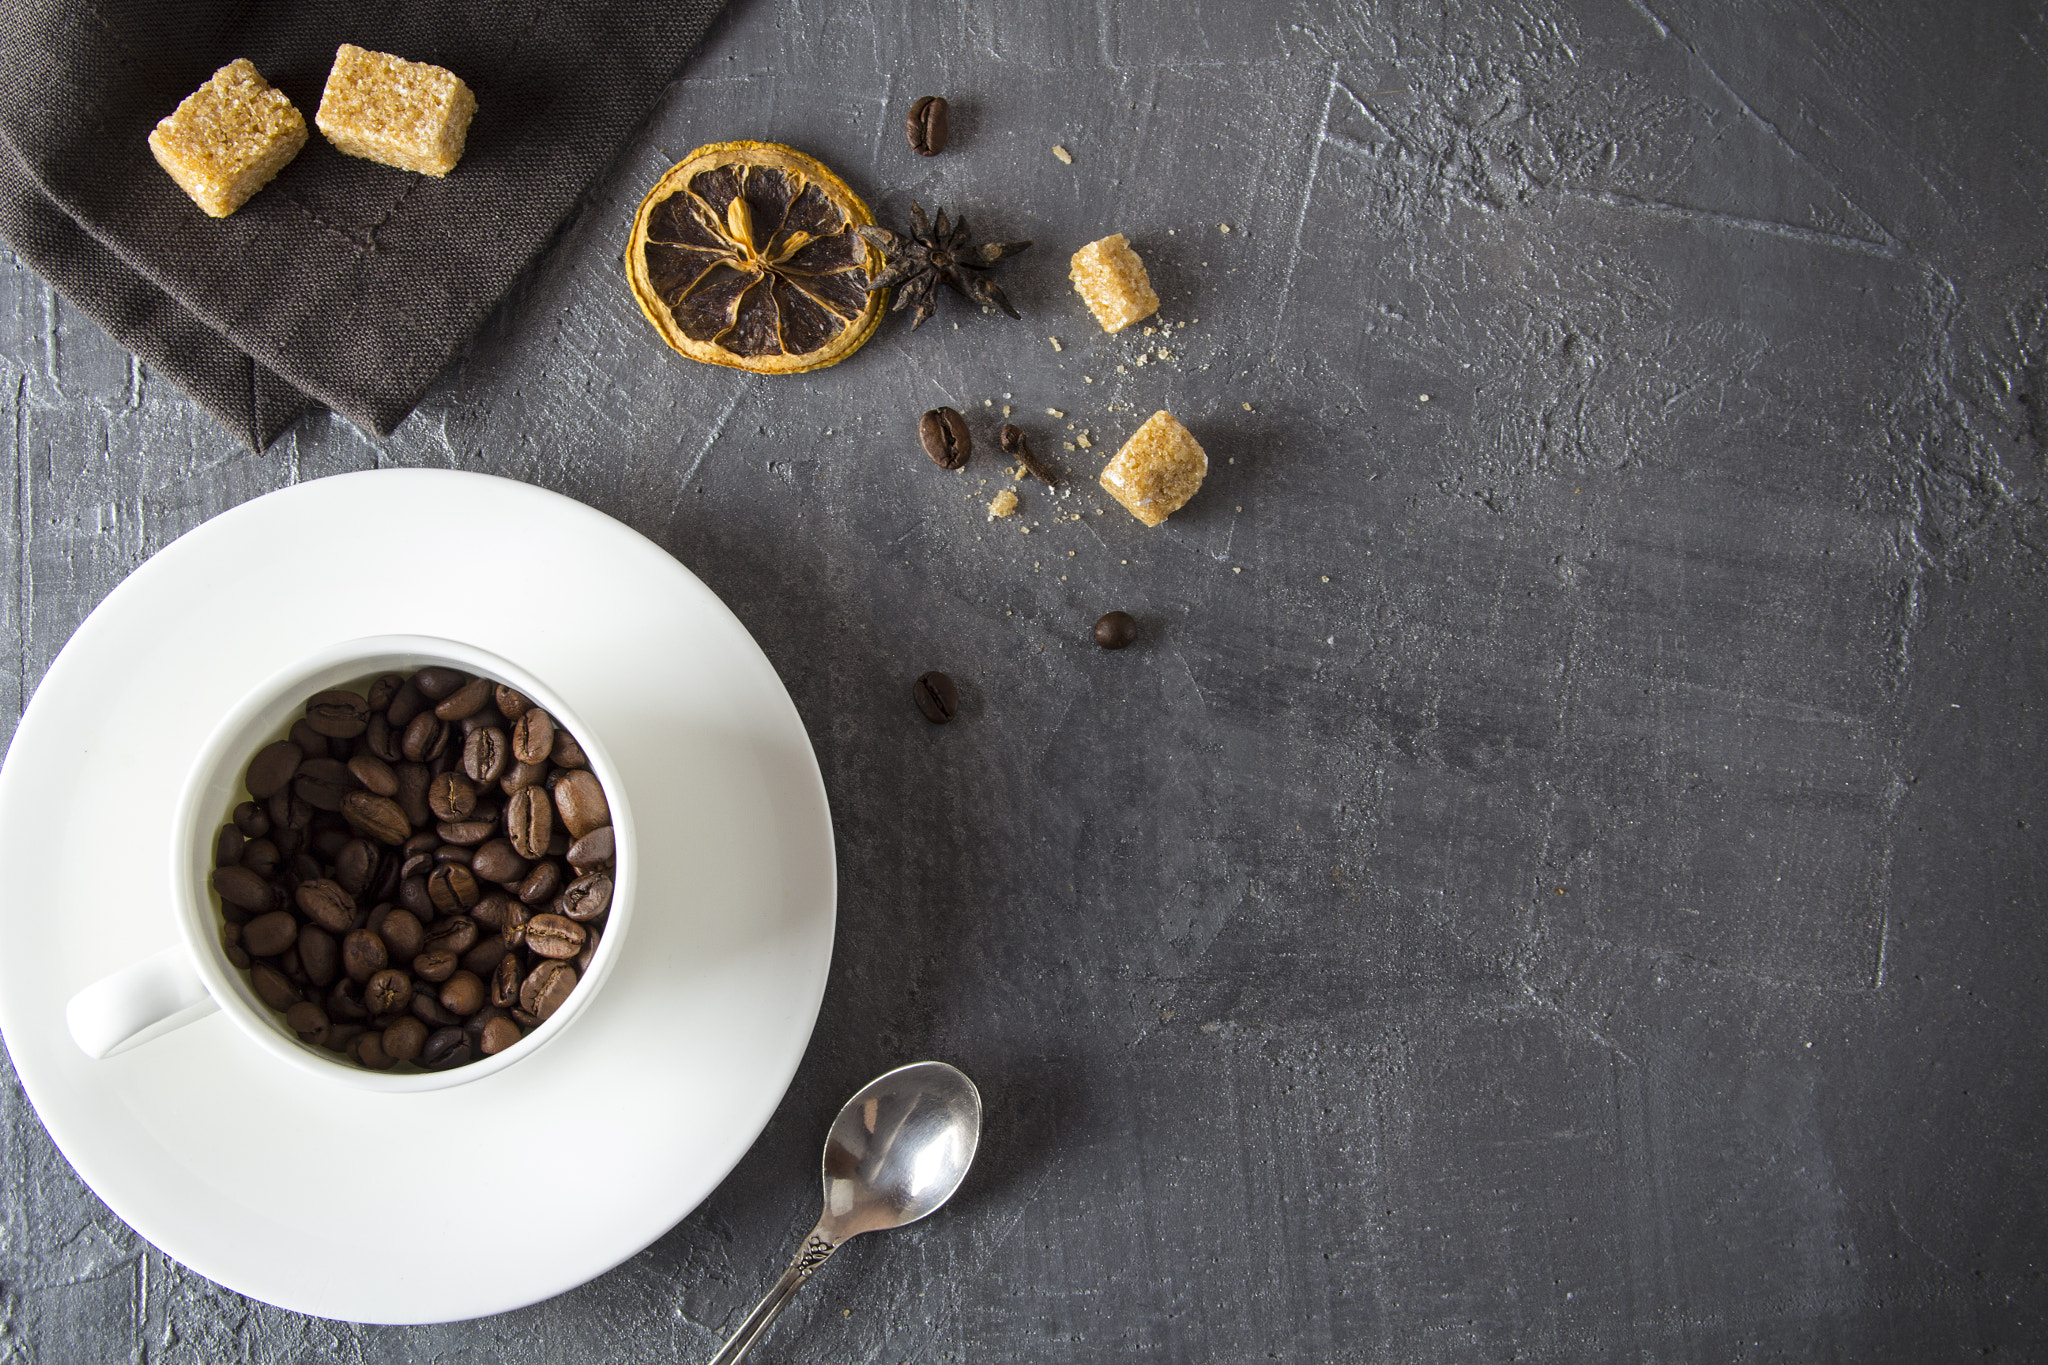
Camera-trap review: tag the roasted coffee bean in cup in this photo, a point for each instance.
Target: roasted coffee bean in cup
(421, 872)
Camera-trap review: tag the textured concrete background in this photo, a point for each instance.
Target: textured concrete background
(1560, 877)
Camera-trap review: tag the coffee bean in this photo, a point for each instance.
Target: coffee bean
(486, 753)
(462, 993)
(567, 753)
(520, 776)
(376, 817)
(483, 959)
(937, 697)
(413, 895)
(272, 768)
(309, 1021)
(436, 964)
(425, 738)
(403, 934)
(345, 1001)
(511, 705)
(408, 702)
(451, 796)
(250, 819)
(456, 934)
(274, 987)
(466, 700)
(586, 898)
(288, 810)
(499, 1034)
(404, 1040)
(546, 987)
(944, 435)
(928, 126)
(384, 689)
(319, 954)
(533, 736)
(383, 739)
(444, 1048)
(262, 857)
(367, 1050)
(363, 955)
(413, 781)
(387, 991)
(231, 946)
(466, 833)
(584, 958)
(322, 782)
(326, 903)
(530, 821)
(498, 861)
(554, 936)
(1116, 630)
(355, 866)
(542, 883)
(270, 934)
(593, 850)
(436, 682)
(579, 800)
(505, 982)
(240, 887)
(452, 888)
(338, 713)
(374, 774)
(311, 742)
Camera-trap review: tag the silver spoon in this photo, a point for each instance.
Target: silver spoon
(896, 1152)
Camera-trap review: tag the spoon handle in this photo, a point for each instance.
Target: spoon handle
(817, 1247)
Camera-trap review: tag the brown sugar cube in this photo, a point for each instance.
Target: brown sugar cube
(229, 138)
(1109, 275)
(404, 114)
(1157, 471)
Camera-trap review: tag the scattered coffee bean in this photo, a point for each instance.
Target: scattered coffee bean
(936, 696)
(382, 895)
(944, 435)
(1116, 630)
(928, 126)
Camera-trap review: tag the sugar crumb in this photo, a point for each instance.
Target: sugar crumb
(1326, 578)
(1055, 412)
(1223, 227)
(1066, 157)
(1002, 504)
(1056, 343)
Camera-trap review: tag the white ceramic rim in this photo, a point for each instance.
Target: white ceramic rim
(216, 787)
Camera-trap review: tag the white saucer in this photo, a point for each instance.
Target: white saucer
(578, 1157)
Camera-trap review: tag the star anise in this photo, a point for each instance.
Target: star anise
(935, 254)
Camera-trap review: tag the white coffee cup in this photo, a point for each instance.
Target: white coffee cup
(192, 979)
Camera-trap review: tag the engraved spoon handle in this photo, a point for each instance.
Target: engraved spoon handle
(817, 1247)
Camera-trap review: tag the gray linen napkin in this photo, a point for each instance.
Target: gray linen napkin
(343, 283)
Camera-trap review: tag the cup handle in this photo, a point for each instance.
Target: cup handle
(138, 1003)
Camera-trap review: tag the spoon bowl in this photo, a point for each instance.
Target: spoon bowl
(897, 1151)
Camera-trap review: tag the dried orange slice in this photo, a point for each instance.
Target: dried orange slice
(745, 254)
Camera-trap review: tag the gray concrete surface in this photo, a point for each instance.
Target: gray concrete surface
(1560, 878)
